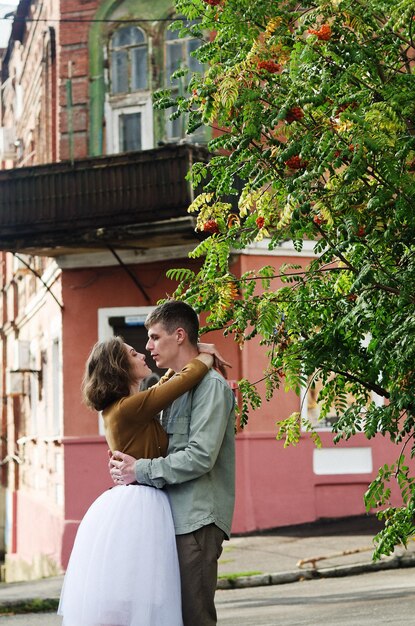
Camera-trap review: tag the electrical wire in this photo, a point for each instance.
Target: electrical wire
(15, 18)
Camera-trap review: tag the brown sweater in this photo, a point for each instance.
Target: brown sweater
(130, 423)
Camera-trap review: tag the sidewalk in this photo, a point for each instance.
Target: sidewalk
(332, 548)
(322, 549)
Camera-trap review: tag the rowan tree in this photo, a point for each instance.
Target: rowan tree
(315, 102)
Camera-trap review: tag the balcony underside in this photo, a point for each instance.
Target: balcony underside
(131, 201)
(173, 232)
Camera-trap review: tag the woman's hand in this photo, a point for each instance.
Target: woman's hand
(210, 348)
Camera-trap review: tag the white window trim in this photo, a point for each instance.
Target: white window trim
(114, 110)
(105, 329)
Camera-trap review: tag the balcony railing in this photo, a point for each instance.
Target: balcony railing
(67, 204)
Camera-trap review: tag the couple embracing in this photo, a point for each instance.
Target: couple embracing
(147, 550)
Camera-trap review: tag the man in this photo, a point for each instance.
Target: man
(199, 470)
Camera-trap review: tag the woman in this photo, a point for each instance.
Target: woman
(123, 570)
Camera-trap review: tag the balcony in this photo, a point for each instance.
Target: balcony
(128, 200)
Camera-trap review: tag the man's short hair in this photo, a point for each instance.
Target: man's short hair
(174, 314)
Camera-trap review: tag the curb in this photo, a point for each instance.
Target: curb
(46, 604)
(282, 578)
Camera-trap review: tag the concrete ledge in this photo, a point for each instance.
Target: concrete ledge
(408, 560)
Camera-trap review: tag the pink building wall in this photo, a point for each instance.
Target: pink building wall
(275, 486)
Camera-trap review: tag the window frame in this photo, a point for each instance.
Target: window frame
(116, 110)
(128, 48)
(200, 135)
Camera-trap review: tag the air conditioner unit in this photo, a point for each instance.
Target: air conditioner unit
(15, 384)
(21, 356)
(7, 145)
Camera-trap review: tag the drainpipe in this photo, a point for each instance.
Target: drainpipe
(69, 108)
(3, 414)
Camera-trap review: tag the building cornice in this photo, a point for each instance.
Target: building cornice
(105, 258)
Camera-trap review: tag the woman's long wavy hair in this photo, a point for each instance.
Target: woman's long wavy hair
(108, 375)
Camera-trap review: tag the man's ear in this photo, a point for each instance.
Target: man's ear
(180, 335)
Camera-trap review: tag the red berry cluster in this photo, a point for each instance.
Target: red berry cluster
(270, 66)
(260, 221)
(212, 3)
(319, 220)
(211, 226)
(295, 163)
(345, 106)
(294, 114)
(323, 34)
(341, 108)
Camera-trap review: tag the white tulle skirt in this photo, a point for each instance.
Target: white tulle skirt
(123, 569)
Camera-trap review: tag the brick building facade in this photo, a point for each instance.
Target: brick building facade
(92, 213)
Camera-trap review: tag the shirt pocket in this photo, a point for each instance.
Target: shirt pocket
(179, 425)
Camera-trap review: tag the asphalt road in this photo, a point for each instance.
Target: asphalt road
(386, 597)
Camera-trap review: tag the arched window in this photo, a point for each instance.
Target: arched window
(129, 113)
(128, 60)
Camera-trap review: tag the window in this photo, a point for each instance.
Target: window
(131, 328)
(130, 127)
(178, 54)
(311, 408)
(128, 60)
(56, 390)
(129, 130)
(129, 114)
(129, 323)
